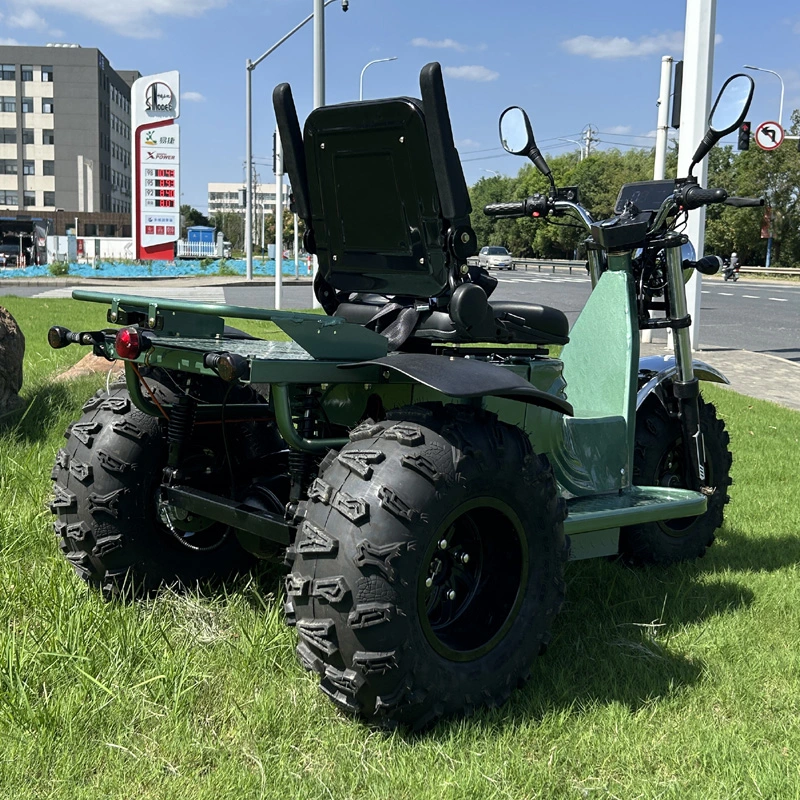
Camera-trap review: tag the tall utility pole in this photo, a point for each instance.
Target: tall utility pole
(698, 68)
(588, 138)
(662, 127)
(319, 99)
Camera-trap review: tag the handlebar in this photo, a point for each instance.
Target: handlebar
(696, 197)
(536, 206)
(710, 265)
(744, 202)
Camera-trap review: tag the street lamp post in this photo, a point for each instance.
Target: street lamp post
(772, 72)
(780, 122)
(492, 171)
(319, 99)
(574, 141)
(361, 79)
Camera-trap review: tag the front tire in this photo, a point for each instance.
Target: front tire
(105, 501)
(658, 461)
(428, 565)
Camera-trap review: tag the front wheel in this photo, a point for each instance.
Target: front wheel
(428, 565)
(659, 461)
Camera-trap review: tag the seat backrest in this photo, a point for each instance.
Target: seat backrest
(381, 191)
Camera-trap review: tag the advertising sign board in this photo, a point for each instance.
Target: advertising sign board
(155, 105)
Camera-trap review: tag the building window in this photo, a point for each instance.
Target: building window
(27, 72)
(8, 198)
(8, 72)
(48, 168)
(28, 167)
(47, 105)
(8, 135)
(8, 166)
(29, 198)
(27, 105)
(8, 103)
(27, 136)
(48, 136)
(49, 199)
(47, 74)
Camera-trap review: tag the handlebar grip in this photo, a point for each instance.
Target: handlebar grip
(744, 202)
(696, 196)
(512, 209)
(709, 265)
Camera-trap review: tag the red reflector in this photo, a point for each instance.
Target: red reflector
(128, 343)
(535, 214)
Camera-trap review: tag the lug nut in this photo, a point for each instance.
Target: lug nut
(451, 595)
(429, 582)
(443, 544)
(465, 558)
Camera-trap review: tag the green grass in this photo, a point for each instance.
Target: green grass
(659, 683)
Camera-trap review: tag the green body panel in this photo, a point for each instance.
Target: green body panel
(591, 453)
(324, 338)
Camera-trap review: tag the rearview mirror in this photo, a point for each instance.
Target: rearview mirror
(731, 105)
(516, 136)
(727, 114)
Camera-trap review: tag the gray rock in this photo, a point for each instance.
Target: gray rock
(12, 352)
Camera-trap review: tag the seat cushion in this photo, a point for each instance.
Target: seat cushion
(546, 319)
(519, 322)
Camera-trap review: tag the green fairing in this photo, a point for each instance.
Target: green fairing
(592, 451)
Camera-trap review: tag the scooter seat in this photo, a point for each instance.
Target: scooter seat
(550, 321)
(525, 322)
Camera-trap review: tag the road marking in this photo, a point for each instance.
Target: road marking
(778, 299)
(727, 294)
(752, 296)
(705, 292)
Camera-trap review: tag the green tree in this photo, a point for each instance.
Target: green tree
(191, 216)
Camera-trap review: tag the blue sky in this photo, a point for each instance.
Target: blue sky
(570, 64)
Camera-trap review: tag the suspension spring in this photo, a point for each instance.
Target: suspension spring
(179, 430)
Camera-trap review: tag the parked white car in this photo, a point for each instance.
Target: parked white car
(497, 257)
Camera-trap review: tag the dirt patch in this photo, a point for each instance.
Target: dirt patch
(89, 365)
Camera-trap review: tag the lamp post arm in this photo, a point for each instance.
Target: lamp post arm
(253, 64)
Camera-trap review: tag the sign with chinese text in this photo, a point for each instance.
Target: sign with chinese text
(155, 105)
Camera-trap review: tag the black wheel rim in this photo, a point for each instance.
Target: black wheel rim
(472, 579)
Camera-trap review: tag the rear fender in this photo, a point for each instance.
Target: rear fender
(655, 371)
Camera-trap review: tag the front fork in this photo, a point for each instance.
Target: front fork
(686, 387)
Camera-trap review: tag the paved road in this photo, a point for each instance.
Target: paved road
(755, 315)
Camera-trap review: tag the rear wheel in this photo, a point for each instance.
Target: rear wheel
(427, 569)
(109, 524)
(659, 461)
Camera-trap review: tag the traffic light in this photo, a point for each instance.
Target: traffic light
(744, 136)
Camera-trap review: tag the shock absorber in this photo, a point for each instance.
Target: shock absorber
(179, 430)
(302, 465)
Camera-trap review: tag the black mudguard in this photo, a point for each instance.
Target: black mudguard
(467, 377)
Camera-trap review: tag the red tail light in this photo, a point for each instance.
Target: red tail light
(128, 343)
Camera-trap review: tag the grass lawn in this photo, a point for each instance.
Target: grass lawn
(659, 683)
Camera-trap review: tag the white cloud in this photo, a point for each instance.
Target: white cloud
(622, 47)
(193, 97)
(447, 44)
(471, 73)
(467, 144)
(9, 42)
(130, 19)
(26, 18)
(619, 129)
